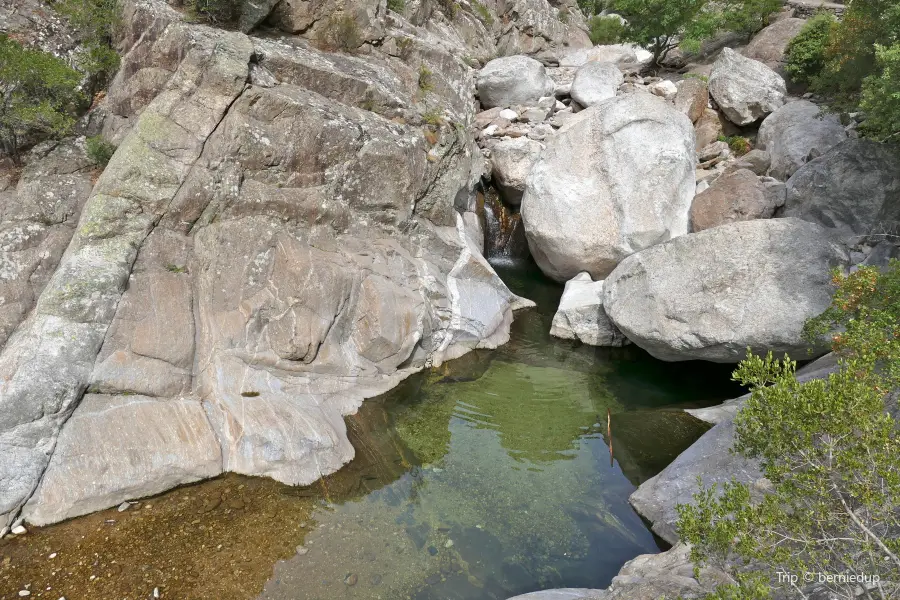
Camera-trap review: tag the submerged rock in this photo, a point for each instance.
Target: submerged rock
(618, 177)
(767, 279)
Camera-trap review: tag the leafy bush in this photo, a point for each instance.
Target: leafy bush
(831, 450)
(881, 95)
(805, 53)
(605, 30)
(39, 96)
(96, 21)
(99, 150)
(396, 5)
(426, 81)
(661, 25)
(342, 33)
(738, 144)
(483, 13)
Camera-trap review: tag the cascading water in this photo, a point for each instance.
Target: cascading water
(504, 233)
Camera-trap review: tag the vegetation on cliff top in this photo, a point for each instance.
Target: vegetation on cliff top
(831, 450)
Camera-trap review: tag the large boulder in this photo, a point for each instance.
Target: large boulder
(797, 133)
(713, 294)
(621, 54)
(580, 315)
(692, 98)
(746, 90)
(769, 45)
(513, 80)
(595, 82)
(854, 187)
(737, 196)
(511, 161)
(617, 178)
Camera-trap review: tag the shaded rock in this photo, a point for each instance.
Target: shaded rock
(767, 278)
(691, 98)
(714, 150)
(797, 133)
(580, 315)
(738, 196)
(854, 187)
(708, 457)
(769, 45)
(709, 127)
(618, 177)
(595, 82)
(745, 90)
(513, 80)
(756, 160)
(511, 162)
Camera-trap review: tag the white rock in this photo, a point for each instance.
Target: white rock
(665, 89)
(509, 114)
(513, 80)
(19, 530)
(596, 82)
(797, 133)
(124, 506)
(746, 90)
(616, 178)
(23, 593)
(581, 316)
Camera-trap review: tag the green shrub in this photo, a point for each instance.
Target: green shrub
(830, 449)
(881, 96)
(96, 21)
(396, 5)
(605, 30)
(747, 16)
(426, 79)
(738, 144)
(483, 13)
(99, 150)
(342, 33)
(805, 53)
(39, 96)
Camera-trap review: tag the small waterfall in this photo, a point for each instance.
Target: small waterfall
(504, 234)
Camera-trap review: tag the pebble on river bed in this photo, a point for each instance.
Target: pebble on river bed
(301, 550)
(351, 579)
(124, 506)
(19, 530)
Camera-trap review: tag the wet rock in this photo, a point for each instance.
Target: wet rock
(351, 579)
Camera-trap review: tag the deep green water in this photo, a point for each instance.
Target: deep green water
(491, 475)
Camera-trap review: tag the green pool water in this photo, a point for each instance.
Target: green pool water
(491, 475)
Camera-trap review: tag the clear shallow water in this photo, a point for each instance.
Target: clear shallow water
(484, 478)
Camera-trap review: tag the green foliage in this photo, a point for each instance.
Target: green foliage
(563, 16)
(592, 7)
(96, 22)
(831, 450)
(738, 144)
(433, 116)
(699, 76)
(661, 25)
(881, 95)
(396, 5)
(99, 150)
(605, 30)
(426, 81)
(806, 53)
(483, 13)
(39, 95)
(342, 33)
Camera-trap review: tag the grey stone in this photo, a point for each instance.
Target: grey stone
(692, 97)
(513, 80)
(580, 315)
(595, 82)
(854, 187)
(795, 134)
(757, 161)
(737, 196)
(767, 279)
(617, 178)
(769, 45)
(511, 162)
(744, 89)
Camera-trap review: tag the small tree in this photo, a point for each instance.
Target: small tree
(831, 450)
(806, 53)
(881, 96)
(605, 30)
(39, 96)
(96, 22)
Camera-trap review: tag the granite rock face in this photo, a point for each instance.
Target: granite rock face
(263, 252)
(795, 134)
(746, 90)
(768, 277)
(617, 177)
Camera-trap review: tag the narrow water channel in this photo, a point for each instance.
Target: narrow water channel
(484, 478)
